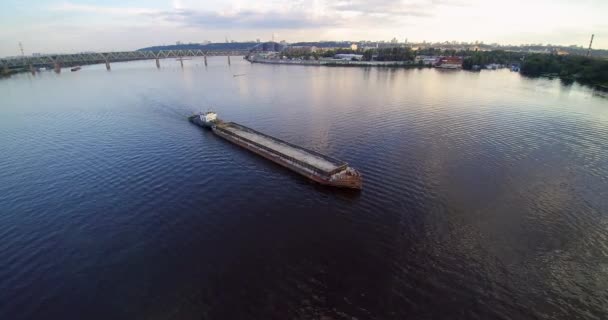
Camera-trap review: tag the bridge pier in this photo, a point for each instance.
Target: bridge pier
(32, 70)
(56, 61)
(181, 62)
(5, 70)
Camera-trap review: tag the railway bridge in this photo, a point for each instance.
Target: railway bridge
(56, 61)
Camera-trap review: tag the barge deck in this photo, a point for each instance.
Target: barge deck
(319, 162)
(311, 164)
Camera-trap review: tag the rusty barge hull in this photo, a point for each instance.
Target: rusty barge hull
(310, 164)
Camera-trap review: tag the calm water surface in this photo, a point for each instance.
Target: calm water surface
(485, 195)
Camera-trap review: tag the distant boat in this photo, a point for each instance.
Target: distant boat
(76, 68)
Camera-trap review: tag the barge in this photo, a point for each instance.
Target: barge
(313, 165)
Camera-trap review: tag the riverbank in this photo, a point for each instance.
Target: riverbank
(592, 71)
(341, 63)
(9, 72)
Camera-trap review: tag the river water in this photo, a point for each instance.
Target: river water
(485, 195)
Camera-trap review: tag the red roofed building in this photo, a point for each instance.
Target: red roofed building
(449, 63)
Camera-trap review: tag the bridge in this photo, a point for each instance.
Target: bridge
(58, 60)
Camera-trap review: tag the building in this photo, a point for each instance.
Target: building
(427, 60)
(449, 63)
(348, 56)
(301, 49)
(354, 46)
(493, 66)
(264, 55)
(369, 46)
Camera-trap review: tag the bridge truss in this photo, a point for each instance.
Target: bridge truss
(107, 57)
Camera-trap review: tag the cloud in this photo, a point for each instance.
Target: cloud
(291, 16)
(246, 19)
(396, 8)
(454, 3)
(304, 14)
(83, 25)
(85, 8)
(279, 14)
(390, 8)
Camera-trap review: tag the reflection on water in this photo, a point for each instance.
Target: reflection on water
(484, 195)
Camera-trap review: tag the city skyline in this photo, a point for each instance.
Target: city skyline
(74, 26)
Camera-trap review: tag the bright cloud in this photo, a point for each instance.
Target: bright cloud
(98, 9)
(112, 24)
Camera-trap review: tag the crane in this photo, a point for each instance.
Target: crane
(590, 43)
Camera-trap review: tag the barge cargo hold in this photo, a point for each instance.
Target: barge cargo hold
(313, 165)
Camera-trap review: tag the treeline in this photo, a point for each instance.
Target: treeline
(583, 69)
(295, 52)
(482, 58)
(331, 53)
(389, 54)
(382, 54)
(377, 54)
(325, 44)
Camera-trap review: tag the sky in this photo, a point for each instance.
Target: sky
(50, 26)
